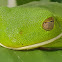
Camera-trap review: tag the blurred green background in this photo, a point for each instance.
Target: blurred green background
(20, 2)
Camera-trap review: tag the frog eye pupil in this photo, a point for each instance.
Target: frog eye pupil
(51, 21)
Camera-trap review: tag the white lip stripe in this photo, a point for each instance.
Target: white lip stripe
(35, 45)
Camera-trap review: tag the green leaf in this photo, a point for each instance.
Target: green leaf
(3, 2)
(7, 55)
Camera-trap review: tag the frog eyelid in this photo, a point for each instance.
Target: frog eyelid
(48, 22)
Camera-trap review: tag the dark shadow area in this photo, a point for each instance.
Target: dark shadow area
(49, 49)
(57, 1)
(20, 2)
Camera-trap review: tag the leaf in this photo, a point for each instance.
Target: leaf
(7, 55)
(3, 2)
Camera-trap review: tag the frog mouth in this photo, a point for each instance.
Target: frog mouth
(35, 45)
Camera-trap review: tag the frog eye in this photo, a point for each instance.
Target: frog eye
(48, 24)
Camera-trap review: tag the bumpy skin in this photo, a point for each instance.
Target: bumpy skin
(22, 26)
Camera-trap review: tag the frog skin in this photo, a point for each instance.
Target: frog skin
(23, 28)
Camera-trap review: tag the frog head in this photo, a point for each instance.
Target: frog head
(24, 26)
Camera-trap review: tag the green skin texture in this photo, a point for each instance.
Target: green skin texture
(22, 26)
